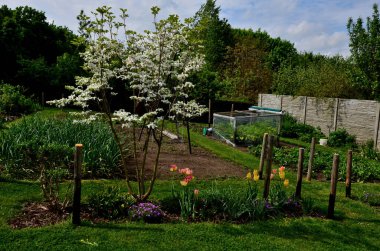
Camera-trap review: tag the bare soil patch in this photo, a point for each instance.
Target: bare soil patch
(204, 164)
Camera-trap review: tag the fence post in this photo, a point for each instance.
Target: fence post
(334, 178)
(262, 157)
(209, 112)
(268, 169)
(299, 172)
(305, 111)
(311, 159)
(336, 114)
(78, 157)
(43, 99)
(377, 125)
(348, 173)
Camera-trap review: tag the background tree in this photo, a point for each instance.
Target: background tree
(245, 73)
(365, 53)
(316, 76)
(34, 51)
(215, 34)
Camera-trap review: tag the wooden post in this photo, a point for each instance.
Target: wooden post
(78, 157)
(188, 136)
(268, 169)
(232, 109)
(311, 159)
(334, 178)
(209, 113)
(348, 173)
(299, 172)
(43, 99)
(262, 157)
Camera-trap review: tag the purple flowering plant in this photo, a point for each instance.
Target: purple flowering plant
(146, 211)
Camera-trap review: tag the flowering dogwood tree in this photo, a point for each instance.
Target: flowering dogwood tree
(154, 64)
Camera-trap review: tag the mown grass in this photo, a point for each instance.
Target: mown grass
(218, 148)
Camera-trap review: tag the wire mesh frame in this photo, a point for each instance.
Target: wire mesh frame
(244, 127)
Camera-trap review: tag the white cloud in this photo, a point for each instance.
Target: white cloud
(303, 28)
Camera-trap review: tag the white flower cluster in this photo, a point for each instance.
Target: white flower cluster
(155, 64)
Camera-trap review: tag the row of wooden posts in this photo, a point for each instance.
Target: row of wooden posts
(267, 157)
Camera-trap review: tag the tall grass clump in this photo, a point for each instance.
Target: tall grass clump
(26, 145)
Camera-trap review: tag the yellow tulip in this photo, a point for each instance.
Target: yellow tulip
(184, 183)
(249, 176)
(282, 175)
(286, 183)
(255, 175)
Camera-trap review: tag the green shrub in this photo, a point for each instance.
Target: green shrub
(291, 128)
(252, 134)
(22, 142)
(50, 182)
(110, 203)
(368, 151)
(14, 103)
(341, 138)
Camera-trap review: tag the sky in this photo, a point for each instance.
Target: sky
(317, 26)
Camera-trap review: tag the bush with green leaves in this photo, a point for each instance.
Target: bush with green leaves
(368, 151)
(14, 103)
(51, 179)
(22, 142)
(291, 128)
(341, 138)
(110, 203)
(252, 133)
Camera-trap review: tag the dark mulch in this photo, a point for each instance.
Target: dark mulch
(36, 215)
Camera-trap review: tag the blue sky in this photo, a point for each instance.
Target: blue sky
(317, 26)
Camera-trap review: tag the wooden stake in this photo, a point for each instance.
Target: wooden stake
(334, 179)
(43, 99)
(188, 136)
(311, 159)
(348, 173)
(78, 157)
(299, 172)
(262, 157)
(268, 169)
(209, 113)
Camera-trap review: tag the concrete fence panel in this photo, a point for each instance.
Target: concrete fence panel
(358, 117)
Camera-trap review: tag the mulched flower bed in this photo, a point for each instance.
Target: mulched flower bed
(37, 215)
